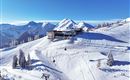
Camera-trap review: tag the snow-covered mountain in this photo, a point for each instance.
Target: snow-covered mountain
(85, 26)
(66, 24)
(10, 32)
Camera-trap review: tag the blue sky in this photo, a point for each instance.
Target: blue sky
(13, 10)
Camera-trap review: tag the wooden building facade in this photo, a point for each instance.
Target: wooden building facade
(63, 34)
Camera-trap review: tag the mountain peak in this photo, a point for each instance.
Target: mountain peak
(45, 23)
(66, 20)
(32, 23)
(81, 23)
(66, 24)
(84, 24)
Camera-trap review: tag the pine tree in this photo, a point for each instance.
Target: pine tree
(107, 24)
(16, 43)
(99, 26)
(23, 41)
(15, 59)
(13, 43)
(0, 75)
(110, 59)
(29, 60)
(22, 60)
(104, 25)
(98, 63)
(29, 39)
(20, 42)
(36, 37)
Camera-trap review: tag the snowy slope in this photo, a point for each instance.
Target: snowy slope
(121, 32)
(77, 62)
(39, 66)
(75, 58)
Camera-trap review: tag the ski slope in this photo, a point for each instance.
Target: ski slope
(78, 62)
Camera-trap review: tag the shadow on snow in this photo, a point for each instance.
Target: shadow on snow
(98, 36)
(119, 63)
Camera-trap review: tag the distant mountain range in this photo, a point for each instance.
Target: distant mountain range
(9, 32)
(68, 24)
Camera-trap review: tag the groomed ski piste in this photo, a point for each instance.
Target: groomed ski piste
(75, 58)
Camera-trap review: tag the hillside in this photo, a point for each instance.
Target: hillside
(119, 30)
(10, 32)
(75, 58)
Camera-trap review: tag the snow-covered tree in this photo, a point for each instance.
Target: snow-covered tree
(99, 26)
(36, 37)
(22, 60)
(29, 39)
(108, 24)
(29, 60)
(13, 43)
(21, 42)
(98, 63)
(15, 59)
(110, 59)
(1, 77)
(17, 42)
(104, 25)
(118, 21)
